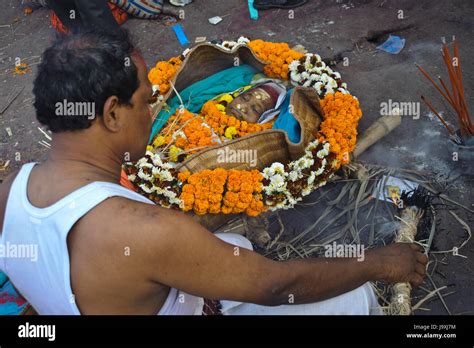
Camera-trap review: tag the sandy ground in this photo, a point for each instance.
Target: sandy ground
(339, 30)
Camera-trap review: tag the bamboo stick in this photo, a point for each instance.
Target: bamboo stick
(377, 131)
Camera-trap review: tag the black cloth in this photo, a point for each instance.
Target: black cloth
(77, 14)
(267, 4)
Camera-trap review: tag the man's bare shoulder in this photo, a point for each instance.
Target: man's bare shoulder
(124, 221)
(8, 181)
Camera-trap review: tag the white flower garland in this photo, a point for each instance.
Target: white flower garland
(232, 45)
(278, 179)
(311, 71)
(155, 177)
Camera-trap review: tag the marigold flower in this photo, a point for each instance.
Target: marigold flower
(339, 128)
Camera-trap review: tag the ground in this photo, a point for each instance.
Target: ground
(346, 32)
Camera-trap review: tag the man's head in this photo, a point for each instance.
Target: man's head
(95, 83)
(251, 104)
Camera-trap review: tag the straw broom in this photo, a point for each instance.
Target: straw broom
(400, 303)
(416, 202)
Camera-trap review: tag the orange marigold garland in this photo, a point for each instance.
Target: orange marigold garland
(279, 55)
(222, 191)
(163, 72)
(229, 126)
(341, 117)
(186, 132)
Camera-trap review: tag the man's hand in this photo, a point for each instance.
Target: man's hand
(401, 263)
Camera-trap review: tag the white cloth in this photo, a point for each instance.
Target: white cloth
(360, 301)
(45, 282)
(270, 114)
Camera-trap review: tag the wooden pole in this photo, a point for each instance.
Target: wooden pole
(377, 131)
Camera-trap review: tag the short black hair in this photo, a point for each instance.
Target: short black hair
(88, 66)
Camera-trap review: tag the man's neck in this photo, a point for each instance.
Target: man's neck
(84, 160)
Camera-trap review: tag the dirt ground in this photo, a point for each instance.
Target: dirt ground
(346, 32)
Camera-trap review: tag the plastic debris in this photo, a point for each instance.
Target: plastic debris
(178, 30)
(9, 131)
(215, 20)
(4, 165)
(393, 45)
(253, 11)
(200, 39)
(390, 188)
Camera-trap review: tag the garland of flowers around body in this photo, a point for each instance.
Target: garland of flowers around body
(186, 133)
(161, 75)
(280, 185)
(229, 126)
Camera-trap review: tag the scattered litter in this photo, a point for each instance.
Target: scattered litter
(180, 3)
(390, 188)
(9, 131)
(253, 11)
(21, 69)
(45, 144)
(393, 45)
(299, 48)
(168, 20)
(215, 20)
(4, 165)
(178, 30)
(15, 95)
(200, 39)
(45, 134)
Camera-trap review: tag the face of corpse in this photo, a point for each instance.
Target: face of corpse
(250, 105)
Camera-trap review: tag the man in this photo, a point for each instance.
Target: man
(103, 249)
(76, 15)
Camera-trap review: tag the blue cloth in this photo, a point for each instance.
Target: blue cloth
(3, 278)
(287, 122)
(198, 93)
(10, 301)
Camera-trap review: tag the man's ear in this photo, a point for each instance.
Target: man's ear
(111, 115)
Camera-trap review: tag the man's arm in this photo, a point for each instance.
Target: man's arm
(184, 255)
